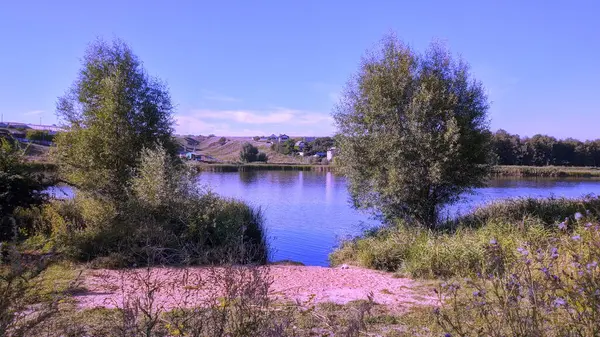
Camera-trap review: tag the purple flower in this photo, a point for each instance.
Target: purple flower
(578, 216)
(493, 242)
(559, 302)
(591, 265)
(554, 252)
(447, 335)
(562, 226)
(576, 237)
(523, 251)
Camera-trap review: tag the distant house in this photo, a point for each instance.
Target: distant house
(193, 156)
(3, 125)
(300, 145)
(283, 137)
(332, 152)
(309, 139)
(272, 137)
(320, 154)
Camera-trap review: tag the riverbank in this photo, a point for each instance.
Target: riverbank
(497, 171)
(545, 171)
(204, 167)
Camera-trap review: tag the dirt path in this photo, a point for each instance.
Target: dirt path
(172, 287)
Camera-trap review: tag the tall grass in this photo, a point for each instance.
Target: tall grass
(462, 247)
(545, 171)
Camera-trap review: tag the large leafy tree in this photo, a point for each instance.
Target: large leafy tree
(113, 111)
(413, 132)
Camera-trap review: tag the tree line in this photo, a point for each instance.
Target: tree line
(543, 150)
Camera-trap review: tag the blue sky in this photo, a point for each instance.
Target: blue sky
(262, 67)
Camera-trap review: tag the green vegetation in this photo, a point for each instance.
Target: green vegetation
(545, 171)
(462, 247)
(260, 167)
(20, 188)
(249, 153)
(112, 112)
(542, 150)
(412, 132)
(39, 135)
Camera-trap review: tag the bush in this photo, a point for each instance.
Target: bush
(39, 135)
(165, 219)
(463, 249)
(550, 290)
(19, 189)
(222, 140)
(248, 153)
(262, 157)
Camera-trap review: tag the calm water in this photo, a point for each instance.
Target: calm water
(307, 213)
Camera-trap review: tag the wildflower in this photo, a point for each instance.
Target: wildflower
(447, 335)
(587, 225)
(591, 265)
(523, 251)
(545, 270)
(554, 252)
(559, 302)
(493, 242)
(562, 226)
(578, 216)
(576, 237)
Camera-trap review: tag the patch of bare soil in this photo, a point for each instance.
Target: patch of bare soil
(170, 287)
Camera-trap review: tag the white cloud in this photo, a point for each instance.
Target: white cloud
(33, 113)
(245, 122)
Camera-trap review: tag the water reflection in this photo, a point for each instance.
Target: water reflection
(308, 212)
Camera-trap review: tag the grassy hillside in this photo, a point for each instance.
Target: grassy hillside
(230, 150)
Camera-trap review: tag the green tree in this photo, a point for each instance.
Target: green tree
(113, 111)
(248, 153)
(39, 135)
(413, 132)
(19, 187)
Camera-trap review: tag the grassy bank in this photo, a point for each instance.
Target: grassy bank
(545, 171)
(202, 167)
(462, 247)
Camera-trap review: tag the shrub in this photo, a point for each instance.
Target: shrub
(547, 291)
(262, 157)
(19, 189)
(165, 219)
(248, 153)
(463, 248)
(222, 140)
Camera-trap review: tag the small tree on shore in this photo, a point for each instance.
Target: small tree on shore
(413, 132)
(248, 153)
(112, 112)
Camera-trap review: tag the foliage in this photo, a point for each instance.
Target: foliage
(549, 290)
(413, 132)
(19, 188)
(321, 144)
(113, 111)
(248, 153)
(287, 147)
(31, 294)
(542, 150)
(262, 157)
(222, 140)
(463, 248)
(38, 135)
(165, 212)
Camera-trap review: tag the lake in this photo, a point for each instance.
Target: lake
(307, 213)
